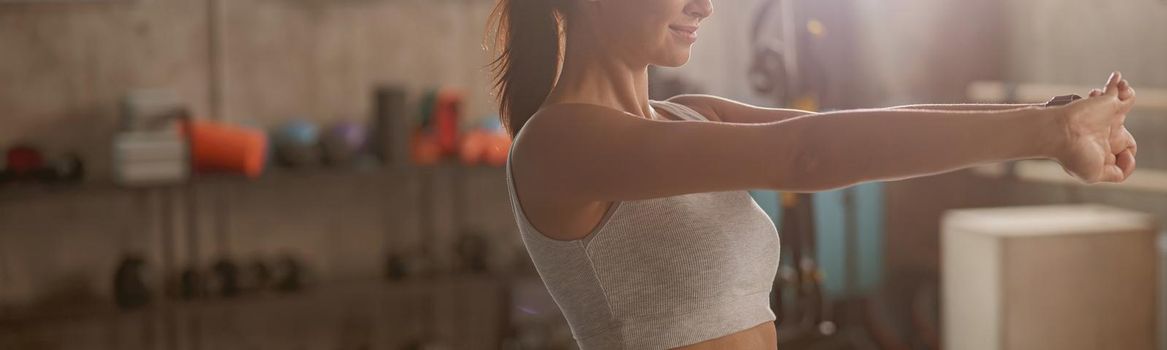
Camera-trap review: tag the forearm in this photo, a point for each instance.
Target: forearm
(965, 107)
(840, 149)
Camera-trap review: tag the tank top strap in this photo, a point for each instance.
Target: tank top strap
(679, 110)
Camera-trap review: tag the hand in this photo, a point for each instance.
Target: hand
(1126, 158)
(1098, 147)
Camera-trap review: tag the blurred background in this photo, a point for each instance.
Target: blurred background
(326, 174)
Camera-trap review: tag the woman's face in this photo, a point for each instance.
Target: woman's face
(659, 32)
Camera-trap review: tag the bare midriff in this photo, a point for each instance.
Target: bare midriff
(759, 337)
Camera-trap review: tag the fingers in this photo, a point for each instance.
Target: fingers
(1119, 166)
(1112, 173)
(1126, 162)
(1121, 89)
(1112, 84)
(1130, 141)
(1116, 85)
(1125, 105)
(1126, 93)
(1119, 139)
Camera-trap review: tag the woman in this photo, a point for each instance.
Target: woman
(635, 211)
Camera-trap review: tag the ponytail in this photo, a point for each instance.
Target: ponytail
(528, 39)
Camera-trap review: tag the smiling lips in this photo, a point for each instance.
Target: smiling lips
(688, 33)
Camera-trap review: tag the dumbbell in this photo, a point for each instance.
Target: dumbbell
(296, 143)
(22, 162)
(342, 142)
(27, 163)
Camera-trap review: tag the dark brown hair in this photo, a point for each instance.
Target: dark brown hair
(528, 41)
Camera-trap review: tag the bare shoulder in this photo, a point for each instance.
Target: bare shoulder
(560, 137)
(560, 115)
(548, 154)
(561, 127)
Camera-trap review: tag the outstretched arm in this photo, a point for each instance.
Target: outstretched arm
(730, 111)
(593, 153)
(967, 107)
(839, 149)
(847, 148)
(587, 154)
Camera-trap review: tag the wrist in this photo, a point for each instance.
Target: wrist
(1049, 128)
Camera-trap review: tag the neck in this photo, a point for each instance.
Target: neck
(591, 74)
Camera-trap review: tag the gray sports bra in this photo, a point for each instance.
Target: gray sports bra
(663, 272)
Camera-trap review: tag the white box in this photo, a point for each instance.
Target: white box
(1048, 277)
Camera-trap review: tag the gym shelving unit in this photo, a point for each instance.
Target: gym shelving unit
(418, 310)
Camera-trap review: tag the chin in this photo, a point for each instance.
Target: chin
(676, 59)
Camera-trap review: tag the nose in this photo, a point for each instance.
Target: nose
(699, 8)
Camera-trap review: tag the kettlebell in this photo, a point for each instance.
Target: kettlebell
(192, 284)
(226, 277)
(130, 290)
(289, 274)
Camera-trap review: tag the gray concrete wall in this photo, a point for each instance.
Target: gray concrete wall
(65, 67)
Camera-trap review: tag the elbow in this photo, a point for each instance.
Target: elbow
(811, 162)
(815, 168)
(802, 173)
(797, 167)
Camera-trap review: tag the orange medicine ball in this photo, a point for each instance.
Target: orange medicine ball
(473, 147)
(425, 149)
(498, 149)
